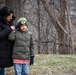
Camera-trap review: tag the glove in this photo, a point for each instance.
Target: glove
(31, 60)
(17, 26)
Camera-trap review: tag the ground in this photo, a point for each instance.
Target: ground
(50, 64)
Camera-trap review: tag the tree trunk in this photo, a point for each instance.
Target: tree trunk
(61, 34)
(70, 32)
(59, 25)
(2, 3)
(47, 33)
(38, 14)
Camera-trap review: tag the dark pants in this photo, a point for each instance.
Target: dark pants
(2, 71)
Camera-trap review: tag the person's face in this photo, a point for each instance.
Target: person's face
(8, 18)
(23, 27)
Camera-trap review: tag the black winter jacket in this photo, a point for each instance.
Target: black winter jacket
(5, 44)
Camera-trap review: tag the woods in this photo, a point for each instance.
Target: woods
(51, 23)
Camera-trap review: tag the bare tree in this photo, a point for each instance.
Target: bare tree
(59, 23)
(44, 29)
(38, 2)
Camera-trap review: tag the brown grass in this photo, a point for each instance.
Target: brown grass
(50, 64)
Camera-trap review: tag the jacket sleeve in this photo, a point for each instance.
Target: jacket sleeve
(12, 36)
(32, 46)
(5, 31)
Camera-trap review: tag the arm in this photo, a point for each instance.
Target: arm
(5, 31)
(12, 36)
(32, 43)
(32, 51)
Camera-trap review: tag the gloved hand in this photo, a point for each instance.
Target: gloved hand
(17, 26)
(31, 60)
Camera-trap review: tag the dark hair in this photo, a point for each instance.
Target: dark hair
(5, 11)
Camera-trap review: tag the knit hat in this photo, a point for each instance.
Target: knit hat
(21, 21)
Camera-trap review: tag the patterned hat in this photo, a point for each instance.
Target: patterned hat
(21, 21)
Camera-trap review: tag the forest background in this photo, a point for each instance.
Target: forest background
(51, 21)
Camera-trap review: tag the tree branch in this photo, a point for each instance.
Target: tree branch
(52, 16)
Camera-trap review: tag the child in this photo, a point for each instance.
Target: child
(23, 47)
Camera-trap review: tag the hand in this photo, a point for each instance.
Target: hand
(31, 60)
(13, 27)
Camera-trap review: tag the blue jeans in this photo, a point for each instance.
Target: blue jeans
(2, 71)
(21, 69)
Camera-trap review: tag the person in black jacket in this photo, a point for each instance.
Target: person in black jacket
(6, 26)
